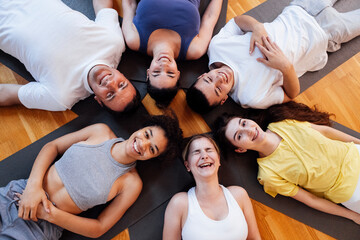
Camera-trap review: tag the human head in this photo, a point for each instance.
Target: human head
(201, 149)
(211, 89)
(163, 79)
(173, 134)
(111, 88)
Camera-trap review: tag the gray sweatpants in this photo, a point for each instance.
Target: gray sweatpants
(340, 27)
(13, 227)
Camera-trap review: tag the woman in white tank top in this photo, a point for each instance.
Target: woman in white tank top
(208, 210)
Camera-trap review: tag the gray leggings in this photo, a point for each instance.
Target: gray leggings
(13, 227)
(340, 27)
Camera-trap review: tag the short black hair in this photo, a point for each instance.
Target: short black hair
(173, 133)
(130, 107)
(162, 96)
(197, 100)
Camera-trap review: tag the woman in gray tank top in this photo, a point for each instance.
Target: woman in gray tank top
(208, 210)
(95, 167)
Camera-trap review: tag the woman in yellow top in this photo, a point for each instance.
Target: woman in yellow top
(300, 156)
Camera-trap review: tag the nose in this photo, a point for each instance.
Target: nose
(111, 84)
(146, 144)
(204, 155)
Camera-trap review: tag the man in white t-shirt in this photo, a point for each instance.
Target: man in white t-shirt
(69, 55)
(268, 75)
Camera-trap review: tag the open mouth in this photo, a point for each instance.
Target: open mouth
(136, 147)
(225, 77)
(205, 165)
(165, 58)
(256, 134)
(104, 80)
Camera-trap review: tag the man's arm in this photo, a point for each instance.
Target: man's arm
(129, 30)
(200, 43)
(276, 59)
(9, 94)
(100, 4)
(250, 24)
(324, 205)
(94, 228)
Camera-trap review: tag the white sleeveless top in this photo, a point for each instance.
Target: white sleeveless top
(198, 226)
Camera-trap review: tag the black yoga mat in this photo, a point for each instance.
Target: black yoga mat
(160, 181)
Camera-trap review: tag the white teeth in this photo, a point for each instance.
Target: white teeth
(205, 165)
(136, 147)
(256, 134)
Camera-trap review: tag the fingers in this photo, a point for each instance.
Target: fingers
(46, 204)
(268, 43)
(33, 212)
(252, 46)
(262, 49)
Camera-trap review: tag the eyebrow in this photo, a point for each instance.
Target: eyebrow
(237, 131)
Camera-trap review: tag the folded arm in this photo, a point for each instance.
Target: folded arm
(200, 43)
(276, 59)
(324, 205)
(34, 193)
(129, 192)
(250, 24)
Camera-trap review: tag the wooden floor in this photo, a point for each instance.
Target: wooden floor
(338, 93)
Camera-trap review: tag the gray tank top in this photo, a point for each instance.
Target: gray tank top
(89, 171)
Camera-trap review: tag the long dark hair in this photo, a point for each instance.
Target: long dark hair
(275, 113)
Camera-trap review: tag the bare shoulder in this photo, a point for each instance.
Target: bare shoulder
(179, 201)
(238, 192)
(101, 132)
(132, 179)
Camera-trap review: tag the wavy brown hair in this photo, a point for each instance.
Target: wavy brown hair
(276, 113)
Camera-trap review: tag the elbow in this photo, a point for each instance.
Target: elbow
(95, 232)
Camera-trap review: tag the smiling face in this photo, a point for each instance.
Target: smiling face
(111, 88)
(203, 159)
(216, 84)
(146, 143)
(244, 134)
(163, 72)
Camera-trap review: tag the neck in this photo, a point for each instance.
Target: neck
(271, 142)
(208, 188)
(118, 152)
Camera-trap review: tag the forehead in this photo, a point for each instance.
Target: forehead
(201, 143)
(122, 99)
(231, 128)
(208, 91)
(163, 81)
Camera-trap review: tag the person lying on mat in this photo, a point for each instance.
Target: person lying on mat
(96, 167)
(280, 52)
(300, 156)
(208, 210)
(69, 55)
(168, 31)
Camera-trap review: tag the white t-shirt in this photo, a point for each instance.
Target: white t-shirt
(257, 86)
(58, 46)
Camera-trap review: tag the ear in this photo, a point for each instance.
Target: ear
(201, 76)
(224, 100)
(186, 163)
(98, 100)
(240, 150)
